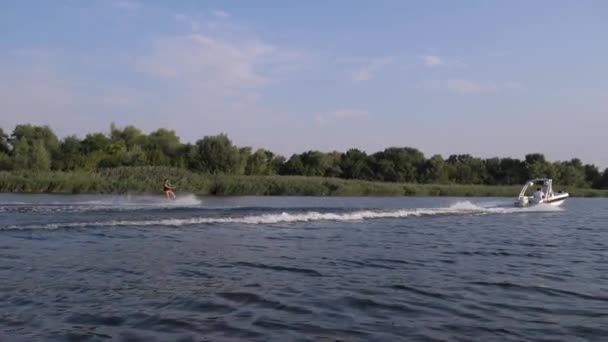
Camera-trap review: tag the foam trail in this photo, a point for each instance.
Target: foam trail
(123, 202)
(142, 200)
(254, 219)
(460, 208)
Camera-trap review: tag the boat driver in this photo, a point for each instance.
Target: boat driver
(538, 195)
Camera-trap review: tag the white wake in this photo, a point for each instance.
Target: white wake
(460, 208)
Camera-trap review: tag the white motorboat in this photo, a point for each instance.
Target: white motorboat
(543, 195)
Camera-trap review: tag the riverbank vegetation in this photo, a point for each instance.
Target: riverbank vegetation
(34, 159)
(145, 180)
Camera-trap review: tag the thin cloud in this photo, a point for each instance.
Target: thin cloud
(432, 61)
(193, 24)
(127, 5)
(499, 53)
(34, 90)
(513, 85)
(469, 87)
(368, 72)
(202, 59)
(459, 86)
(213, 78)
(220, 14)
(323, 119)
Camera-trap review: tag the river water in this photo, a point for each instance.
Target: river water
(136, 268)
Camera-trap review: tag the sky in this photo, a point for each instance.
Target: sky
(488, 78)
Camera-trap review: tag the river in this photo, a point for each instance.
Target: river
(139, 268)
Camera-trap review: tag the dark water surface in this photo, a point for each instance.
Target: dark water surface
(312, 269)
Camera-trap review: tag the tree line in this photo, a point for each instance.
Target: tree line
(38, 148)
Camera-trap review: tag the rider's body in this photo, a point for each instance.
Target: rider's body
(168, 189)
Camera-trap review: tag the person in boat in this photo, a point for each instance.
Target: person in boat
(538, 195)
(168, 189)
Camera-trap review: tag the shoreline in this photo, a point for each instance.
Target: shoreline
(58, 193)
(160, 195)
(134, 182)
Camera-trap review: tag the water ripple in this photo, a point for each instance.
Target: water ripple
(248, 298)
(418, 291)
(302, 269)
(305, 271)
(542, 289)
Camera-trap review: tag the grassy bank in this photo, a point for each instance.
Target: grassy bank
(149, 180)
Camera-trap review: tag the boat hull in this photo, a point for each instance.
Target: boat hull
(555, 201)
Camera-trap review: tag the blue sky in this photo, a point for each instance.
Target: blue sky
(487, 78)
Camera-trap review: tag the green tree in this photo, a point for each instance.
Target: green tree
(5, 147)
(134, 157)
(32, 134)
(355, 164)
(130, 135)
(5, 161)
(277, 163)
(602, 183)
(384, 170)
(261, 162)
(69, 155)
(537, 166)
(215, 154)
(465, 169)
(40, 158)
(334, 169)
(592, 175)
(21, 154)
(163, 147)
(6, 164)
(513, 170)
(494, 171)
(435, 170)
(571, 173)
(115, 154)
(405, 164)
(92, 161)
(32, 147)
(293, 166)
(95, 142)
(315, 163)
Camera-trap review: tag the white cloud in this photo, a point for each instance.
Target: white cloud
(513, 85)
(126, 5)
(367, 72)
(123, 97)
(193, 24)
(432, 60)
(468, 87)
(202, 60)
(459, 86)
(198, 84)
(209, 62)
(220, 14)
(34, 90)
(323, 119)
(213, 81)
(43, 86)
(499, 53)
(362, 75)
